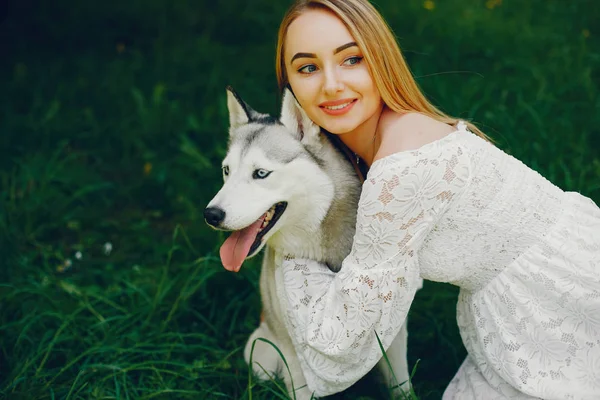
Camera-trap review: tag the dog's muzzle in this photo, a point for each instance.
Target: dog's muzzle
(214, 216)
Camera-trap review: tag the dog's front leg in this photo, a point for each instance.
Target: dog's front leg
(266, 362)
(295, 374)
(396, 355)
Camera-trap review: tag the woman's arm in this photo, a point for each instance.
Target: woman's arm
(334, 319)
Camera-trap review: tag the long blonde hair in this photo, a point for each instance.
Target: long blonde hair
(396, 85)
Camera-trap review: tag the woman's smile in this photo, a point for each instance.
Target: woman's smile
(338, 107)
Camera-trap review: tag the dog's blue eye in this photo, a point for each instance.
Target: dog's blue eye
(225, 170)
(261, 173)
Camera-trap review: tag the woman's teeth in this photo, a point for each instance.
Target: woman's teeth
(338, 107)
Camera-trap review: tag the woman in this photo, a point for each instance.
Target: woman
(442, 203)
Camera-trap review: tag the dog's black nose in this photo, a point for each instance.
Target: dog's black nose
(214, 216)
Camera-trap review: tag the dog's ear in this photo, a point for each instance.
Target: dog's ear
(240, 113)
(294, 118)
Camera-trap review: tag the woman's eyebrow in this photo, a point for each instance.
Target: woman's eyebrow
(344, 47)
(313, 55)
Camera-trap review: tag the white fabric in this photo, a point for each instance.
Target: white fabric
(525, 254)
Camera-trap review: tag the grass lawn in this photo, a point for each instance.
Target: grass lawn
(113, 124)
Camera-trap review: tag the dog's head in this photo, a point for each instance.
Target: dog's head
(272, 178)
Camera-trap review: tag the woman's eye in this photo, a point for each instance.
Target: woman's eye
(225, 170)
(261, 173)
(308, 69)
(353, 60)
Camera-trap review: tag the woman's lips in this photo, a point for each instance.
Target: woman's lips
(338, 107)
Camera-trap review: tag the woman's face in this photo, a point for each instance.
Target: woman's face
(327, 73)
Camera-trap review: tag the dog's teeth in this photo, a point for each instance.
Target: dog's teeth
(268, 216)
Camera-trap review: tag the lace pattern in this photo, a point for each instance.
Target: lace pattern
(334, 318)
(525, 254)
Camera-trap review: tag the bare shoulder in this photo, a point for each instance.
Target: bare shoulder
(405, 132)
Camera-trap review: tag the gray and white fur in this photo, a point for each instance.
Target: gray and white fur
(321, 189)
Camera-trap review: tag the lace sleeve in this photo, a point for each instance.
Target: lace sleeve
(334, 318)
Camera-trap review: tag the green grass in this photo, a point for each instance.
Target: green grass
(112, 127)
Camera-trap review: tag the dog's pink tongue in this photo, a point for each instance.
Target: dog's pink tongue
(235, 249)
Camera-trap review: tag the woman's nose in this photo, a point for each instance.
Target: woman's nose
(333, 82)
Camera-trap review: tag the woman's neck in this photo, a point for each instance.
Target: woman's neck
(364, 140)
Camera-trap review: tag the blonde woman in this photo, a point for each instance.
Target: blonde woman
(442, 203)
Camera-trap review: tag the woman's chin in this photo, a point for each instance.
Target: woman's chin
(339, 128)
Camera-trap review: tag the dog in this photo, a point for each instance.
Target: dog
(287, 188)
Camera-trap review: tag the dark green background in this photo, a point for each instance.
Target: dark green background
(112, 126)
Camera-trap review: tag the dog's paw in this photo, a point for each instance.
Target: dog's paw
(266, 361)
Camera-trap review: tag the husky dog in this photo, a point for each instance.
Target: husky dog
(289, 188)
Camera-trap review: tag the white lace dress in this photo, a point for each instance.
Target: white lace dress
(525, 254)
